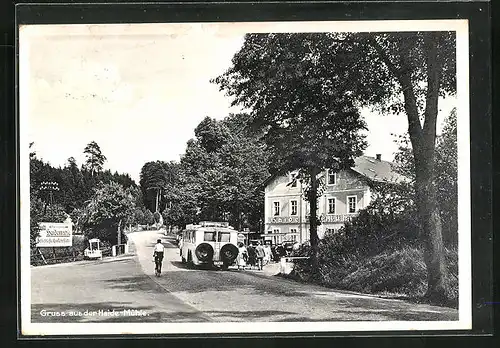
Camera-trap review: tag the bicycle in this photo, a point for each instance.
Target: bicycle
(158, 261)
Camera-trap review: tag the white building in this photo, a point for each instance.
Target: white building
(346, 192)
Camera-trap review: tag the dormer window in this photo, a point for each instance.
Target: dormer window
(332, 177)
(293, 180)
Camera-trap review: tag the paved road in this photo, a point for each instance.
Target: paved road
(194, 295)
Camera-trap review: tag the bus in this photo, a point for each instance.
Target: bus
(209, 243)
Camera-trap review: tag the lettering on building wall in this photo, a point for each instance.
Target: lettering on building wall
(323, 218)
(284, 220)
(334, 218)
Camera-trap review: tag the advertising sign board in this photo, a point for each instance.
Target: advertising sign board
(55, 234)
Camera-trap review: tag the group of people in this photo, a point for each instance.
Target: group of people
(253, 256)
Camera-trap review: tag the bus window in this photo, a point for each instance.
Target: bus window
(209, 237)
(224, 237)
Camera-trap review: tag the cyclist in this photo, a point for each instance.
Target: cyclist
(158, 256)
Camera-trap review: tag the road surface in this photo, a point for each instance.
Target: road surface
(124, 289)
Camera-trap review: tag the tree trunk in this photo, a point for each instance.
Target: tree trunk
(119, 235)
(423, 140)
(313, 219)
(157, 198)
(431, 232)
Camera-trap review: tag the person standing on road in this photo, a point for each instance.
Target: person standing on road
(260, 253)
(158, 256)
(242, 256)
(267, 250)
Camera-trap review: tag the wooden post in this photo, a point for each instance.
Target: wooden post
(41, 254)
(119, 236)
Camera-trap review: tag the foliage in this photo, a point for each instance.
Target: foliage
(221, 174)
(407, 73)
(309, 122)
(286, 78)
(389, 221)
(76, 186)
(158, 184)
(110, 208)
(148, 217)
(399, 272)
(94, 158)
(445, 173)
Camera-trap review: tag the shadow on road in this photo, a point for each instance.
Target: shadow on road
(140, 283)
(180, 265)
(165, 245)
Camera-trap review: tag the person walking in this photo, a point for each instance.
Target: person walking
(242, 256)
(260, 254)
(158, 256)
(251, 256)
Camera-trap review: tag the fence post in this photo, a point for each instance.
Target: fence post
(282, 265)
(41, 254)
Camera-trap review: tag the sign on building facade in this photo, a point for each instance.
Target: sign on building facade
(55, 234)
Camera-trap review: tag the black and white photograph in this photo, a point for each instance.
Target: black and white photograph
(244, 177)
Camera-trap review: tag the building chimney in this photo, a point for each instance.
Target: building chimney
(379, 157)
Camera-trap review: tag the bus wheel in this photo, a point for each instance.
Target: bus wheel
(183, 260)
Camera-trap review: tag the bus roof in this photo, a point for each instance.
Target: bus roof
(209, 224)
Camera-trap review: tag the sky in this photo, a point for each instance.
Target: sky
(140, 90)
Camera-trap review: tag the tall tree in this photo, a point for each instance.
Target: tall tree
(309, 121)
(94, 158)
(405, 73)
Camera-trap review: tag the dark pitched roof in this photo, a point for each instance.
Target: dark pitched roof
(370, 168)
(377, 170)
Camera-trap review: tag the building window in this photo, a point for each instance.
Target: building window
(331, 205)
(332, 177)
(331, 231)
(276, 208)
(293, 207)
(352, 202)
(293, 234)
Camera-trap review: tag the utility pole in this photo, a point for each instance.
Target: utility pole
(50, 187)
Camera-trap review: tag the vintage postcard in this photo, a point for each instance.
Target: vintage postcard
(244, 177)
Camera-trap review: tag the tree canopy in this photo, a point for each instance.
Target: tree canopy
(308, 121)
(284, 79)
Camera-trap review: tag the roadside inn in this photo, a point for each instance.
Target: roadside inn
(346, 192)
